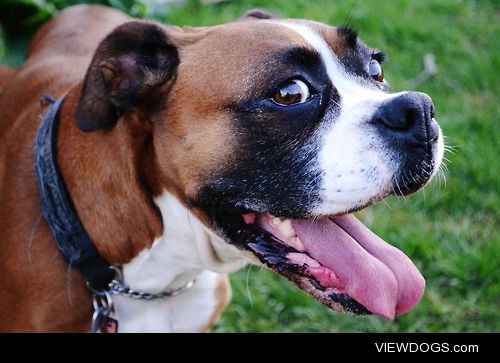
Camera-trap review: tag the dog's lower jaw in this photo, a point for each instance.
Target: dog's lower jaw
(187, 250)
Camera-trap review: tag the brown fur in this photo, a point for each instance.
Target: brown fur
(34, 276)
(223, 297)
(5, 76)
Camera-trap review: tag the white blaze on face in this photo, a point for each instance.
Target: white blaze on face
(356, 164)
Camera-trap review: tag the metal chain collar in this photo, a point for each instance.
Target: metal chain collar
(102, 301)
(116, 287)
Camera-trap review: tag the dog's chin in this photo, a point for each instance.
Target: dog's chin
(336, 259)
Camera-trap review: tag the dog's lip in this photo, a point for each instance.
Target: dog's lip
(279, 257)
(340, 262)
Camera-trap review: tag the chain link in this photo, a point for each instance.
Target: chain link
(103, 310)
(102, 320)
(116, 287)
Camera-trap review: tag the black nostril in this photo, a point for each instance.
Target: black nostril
(411, 116)
(403, 112)
(433, 111)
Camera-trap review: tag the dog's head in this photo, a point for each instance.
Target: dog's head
(272, 132)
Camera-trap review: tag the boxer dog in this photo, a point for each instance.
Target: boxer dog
(185, 153)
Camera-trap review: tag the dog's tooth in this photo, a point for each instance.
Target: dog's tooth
(296, 243)
(286, 228)
(276, 221)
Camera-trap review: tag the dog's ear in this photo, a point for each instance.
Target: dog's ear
(259, 14)
(129, 63)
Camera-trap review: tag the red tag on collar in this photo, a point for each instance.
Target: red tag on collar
(108, 325)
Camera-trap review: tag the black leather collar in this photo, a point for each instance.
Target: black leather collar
(58, 209)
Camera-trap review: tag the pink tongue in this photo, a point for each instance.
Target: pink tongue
(375, 274)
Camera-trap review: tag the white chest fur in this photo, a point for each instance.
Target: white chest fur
(186, 250)
(188, 312)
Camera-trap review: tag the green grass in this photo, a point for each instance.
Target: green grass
(450, 231)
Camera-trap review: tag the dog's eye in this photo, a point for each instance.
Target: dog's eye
(291, 93)
(375, 70)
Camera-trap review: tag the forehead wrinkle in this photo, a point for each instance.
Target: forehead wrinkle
(241, 38)
(343, 81)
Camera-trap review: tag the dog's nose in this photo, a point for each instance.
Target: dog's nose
(406, 112)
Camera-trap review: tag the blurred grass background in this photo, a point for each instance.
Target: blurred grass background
(451, 229)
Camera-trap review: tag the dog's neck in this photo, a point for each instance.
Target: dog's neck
(185, 251)
(185, 248)
(109, 176)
